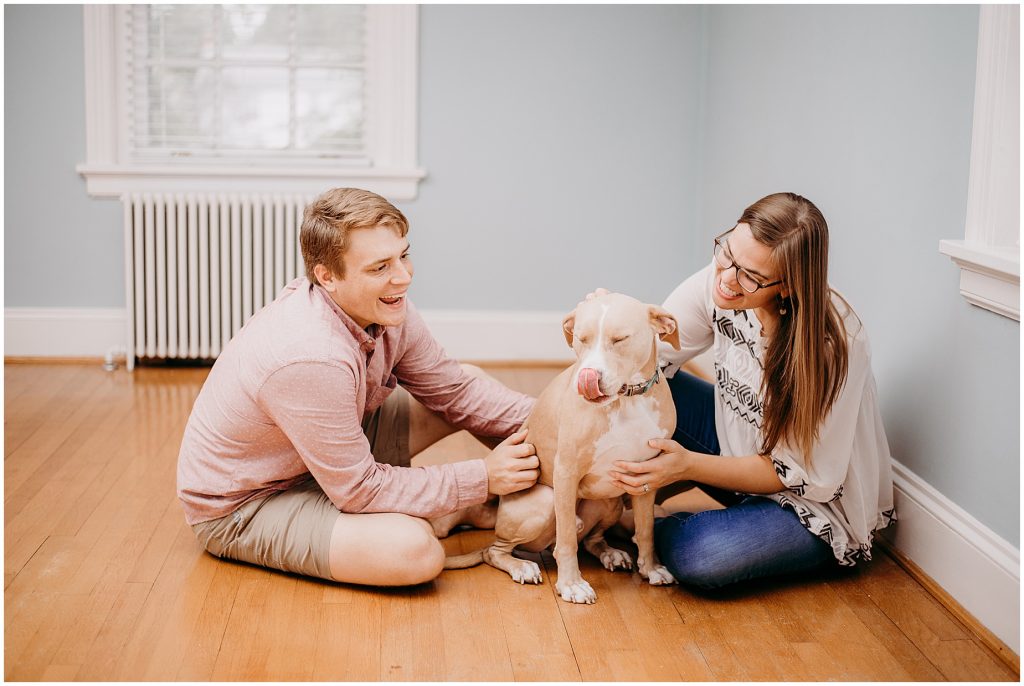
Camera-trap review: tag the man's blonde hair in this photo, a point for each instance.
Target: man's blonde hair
(330, 218)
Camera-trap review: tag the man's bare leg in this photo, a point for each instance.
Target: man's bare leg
(386, 549)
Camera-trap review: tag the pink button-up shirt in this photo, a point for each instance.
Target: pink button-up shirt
(286, 399)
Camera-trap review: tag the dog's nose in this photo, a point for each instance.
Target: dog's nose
(588, 383)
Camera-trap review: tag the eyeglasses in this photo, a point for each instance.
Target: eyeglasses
(744, 278)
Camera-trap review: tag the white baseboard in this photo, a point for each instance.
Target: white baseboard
(980, 570)
(974, 565)
(464, 334)
(63, 332)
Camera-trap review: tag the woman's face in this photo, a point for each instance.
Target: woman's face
(743, 251)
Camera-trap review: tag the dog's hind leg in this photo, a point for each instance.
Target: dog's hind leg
(598, 516)
(522, 571)
(525, 519)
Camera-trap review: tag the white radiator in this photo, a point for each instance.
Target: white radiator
(199, 265)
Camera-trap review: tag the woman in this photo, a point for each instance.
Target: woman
(790, 432)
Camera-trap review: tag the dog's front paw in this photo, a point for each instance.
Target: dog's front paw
(660, 576)
(526, 572)
(576, 592)
(613, 559)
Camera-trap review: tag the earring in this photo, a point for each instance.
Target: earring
(782, 306)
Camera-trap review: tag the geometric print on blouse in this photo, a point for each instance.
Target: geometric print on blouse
(739, 397)
(822, 528)
(783, 470)
(729, 329)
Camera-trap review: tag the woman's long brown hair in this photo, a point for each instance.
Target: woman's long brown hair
(805, 365)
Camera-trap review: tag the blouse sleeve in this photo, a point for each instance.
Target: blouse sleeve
(833, 452)
(691, 304)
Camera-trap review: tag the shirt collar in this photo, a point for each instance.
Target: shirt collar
(366, 338)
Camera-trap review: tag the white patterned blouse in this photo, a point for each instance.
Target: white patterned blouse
(846, 494)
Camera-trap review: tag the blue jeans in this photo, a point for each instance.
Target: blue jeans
(753, 537)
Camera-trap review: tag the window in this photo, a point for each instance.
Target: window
(989, 255)
(277, 98)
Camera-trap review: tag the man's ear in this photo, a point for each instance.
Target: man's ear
(567, 326)
(326, 278)
(665, 325)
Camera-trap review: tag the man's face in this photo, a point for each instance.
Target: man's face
(377, 277)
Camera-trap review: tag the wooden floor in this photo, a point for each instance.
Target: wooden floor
(104, 581)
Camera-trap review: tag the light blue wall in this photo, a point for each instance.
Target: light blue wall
(575, 146)
(867, 111)
(61, 248)
(561, 147)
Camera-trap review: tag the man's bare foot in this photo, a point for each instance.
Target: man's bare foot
(481, 516)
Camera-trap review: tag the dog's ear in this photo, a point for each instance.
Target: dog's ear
(568, 324)
(665, 325)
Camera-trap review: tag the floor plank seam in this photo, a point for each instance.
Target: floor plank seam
(27, 560)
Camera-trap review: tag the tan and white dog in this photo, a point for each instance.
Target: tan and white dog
(602, 409)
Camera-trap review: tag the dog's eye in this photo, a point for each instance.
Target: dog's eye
(582, 339)
(616, 341)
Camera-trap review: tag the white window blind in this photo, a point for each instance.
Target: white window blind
(247, 81)
(254, 98)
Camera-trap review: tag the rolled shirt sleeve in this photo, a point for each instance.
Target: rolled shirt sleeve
(311, 402)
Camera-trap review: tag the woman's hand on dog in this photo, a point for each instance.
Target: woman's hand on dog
(664, 469)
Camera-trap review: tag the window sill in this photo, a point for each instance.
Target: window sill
(111, 181)
(989, 277)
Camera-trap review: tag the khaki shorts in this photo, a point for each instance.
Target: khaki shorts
(291, 530)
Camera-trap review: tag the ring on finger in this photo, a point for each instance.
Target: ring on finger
(647, 489)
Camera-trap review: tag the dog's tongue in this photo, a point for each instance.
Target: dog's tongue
(588, 384)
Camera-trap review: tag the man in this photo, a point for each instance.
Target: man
(296, 455)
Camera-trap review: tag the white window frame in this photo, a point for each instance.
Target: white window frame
(989, 255)
(391, 121)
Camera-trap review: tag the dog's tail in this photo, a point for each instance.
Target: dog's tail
(465, 561)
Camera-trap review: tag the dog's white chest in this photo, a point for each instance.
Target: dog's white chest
(632, 423)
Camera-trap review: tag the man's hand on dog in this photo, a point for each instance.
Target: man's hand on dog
(512, 466)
